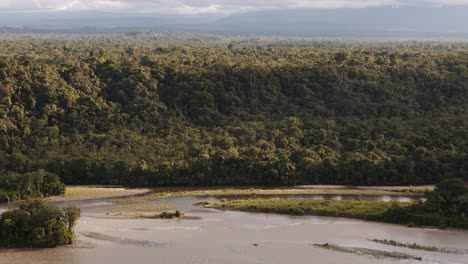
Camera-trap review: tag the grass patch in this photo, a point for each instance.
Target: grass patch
(368, 252)
(73, 193)
(418, 247)
(404, 213)
(367, 210)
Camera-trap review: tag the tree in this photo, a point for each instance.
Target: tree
(72, 213)
(37, 224)
(450, 189)
(449, 197)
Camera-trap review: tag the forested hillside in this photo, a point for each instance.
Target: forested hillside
(145, 110)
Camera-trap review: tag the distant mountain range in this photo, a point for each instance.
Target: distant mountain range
(365, 22)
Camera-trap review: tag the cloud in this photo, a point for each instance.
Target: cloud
(204, 6)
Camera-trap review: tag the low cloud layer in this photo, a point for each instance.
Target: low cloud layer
(206, 6)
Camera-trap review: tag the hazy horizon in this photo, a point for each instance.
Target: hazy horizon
(209, 6)
(313, 18)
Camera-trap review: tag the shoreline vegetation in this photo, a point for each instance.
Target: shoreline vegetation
(376, 211)
(446, 206)
(364, 210)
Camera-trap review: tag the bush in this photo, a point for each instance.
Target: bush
(448, 199)
(451, 188)
(167, 215)
(171, 215)
(178, 214)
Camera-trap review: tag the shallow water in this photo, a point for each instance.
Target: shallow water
(337, 197)
(234, 237)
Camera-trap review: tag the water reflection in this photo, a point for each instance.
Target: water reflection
(336, 197)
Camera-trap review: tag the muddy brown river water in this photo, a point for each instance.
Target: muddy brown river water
(234, 237)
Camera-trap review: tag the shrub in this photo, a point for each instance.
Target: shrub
(167, 215)
(451, 188)
(171, 215)
(178, 214)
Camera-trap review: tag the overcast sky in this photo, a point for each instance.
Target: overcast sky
(204, 6)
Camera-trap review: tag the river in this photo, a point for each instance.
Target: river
(220, 237)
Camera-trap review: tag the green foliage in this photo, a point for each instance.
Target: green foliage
(37, 224)
(450, 189)
(449, 198)
(72, 213)
(411, 214)
(369, 210)
(445, 206)
(37, 184)
(206, 110)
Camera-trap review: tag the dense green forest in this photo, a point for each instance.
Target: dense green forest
(36, 184)
(181, 109)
